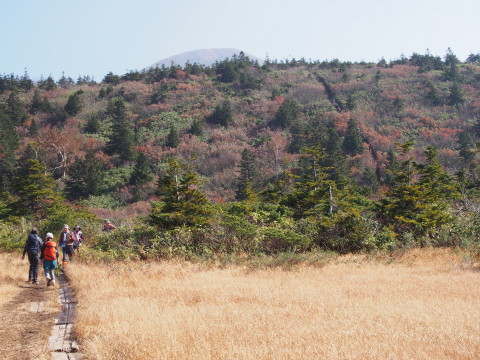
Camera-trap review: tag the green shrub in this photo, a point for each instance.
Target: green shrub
(13, 236)
(386, 239)
(275, 240)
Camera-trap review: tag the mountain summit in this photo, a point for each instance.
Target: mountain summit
(202, 57)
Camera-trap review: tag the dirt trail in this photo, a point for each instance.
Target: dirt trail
(26, 322)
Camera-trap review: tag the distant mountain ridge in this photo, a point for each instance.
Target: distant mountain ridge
(202, 57)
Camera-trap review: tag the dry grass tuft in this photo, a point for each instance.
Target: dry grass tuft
(423, 304)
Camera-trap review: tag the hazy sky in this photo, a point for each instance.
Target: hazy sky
(94, 37)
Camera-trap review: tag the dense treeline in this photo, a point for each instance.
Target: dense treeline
(241, 156)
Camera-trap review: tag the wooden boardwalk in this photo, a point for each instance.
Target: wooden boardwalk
(61, 343)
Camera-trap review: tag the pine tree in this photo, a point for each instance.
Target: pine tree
(419, 207)
(227, 71)
(33, 128)
(313, 186)
(172, 140)
(15, 109)
(121, 140)
(391, 168)
(456, 96)
(183, 204)
(433, 95)
(352, 143)
(248, 174)
(93, 125)
(8, 145)
(196, 128)
(466, 147)
(36, 192)
(286, 114)
(85, 177)
(142, 172)
(36, 104)
(334, 162)
(25, 82)
(222, 115)
(47, 84)
(434, 180)
(74, 104)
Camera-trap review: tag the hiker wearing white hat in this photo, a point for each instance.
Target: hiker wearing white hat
(66, 241)
(49, 257)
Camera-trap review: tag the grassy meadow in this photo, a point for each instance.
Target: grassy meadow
(423, 304)
(24, 331)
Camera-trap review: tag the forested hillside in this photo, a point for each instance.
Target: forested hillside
(286, 156)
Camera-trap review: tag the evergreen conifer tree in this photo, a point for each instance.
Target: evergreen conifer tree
(222, 115)
(142, 172)
(456, 96)
(36, 192)
(15, 109)
(183, 204)
(74, 104)
(352, 143)
(196, 128)
(47, 84)
(8, 145)
(85, 177)
(36, 104)
(286, 114)
(121, 140)
(248, 174)
(466, 147)
(172, 140)
(419, 207)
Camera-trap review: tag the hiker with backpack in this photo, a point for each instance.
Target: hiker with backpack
(49, 256)
(108, 226)
(33, 247)
(77, 238)
(66, 242)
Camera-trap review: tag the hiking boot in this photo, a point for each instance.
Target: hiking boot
(35, 282)
(49, 281)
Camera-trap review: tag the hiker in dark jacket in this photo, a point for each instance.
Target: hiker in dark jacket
(33, 247)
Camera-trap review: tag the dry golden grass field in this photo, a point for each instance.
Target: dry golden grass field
(27, 311)
(424, 304)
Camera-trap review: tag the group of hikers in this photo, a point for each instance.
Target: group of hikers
(47, 252)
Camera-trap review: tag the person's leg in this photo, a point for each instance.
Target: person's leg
(64, 252)
(52, 272)
(46, 271)
(30, 268)
(70, 252)
(34, 261)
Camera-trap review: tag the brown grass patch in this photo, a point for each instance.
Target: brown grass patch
(423, 305)
(23, 333)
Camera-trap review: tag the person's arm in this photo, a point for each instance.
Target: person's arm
(25, 249)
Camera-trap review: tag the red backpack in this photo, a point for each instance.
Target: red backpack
(50, 251)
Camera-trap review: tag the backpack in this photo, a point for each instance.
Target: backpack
(33, 244)
(50, 252)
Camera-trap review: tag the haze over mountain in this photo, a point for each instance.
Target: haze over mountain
(202, 57)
